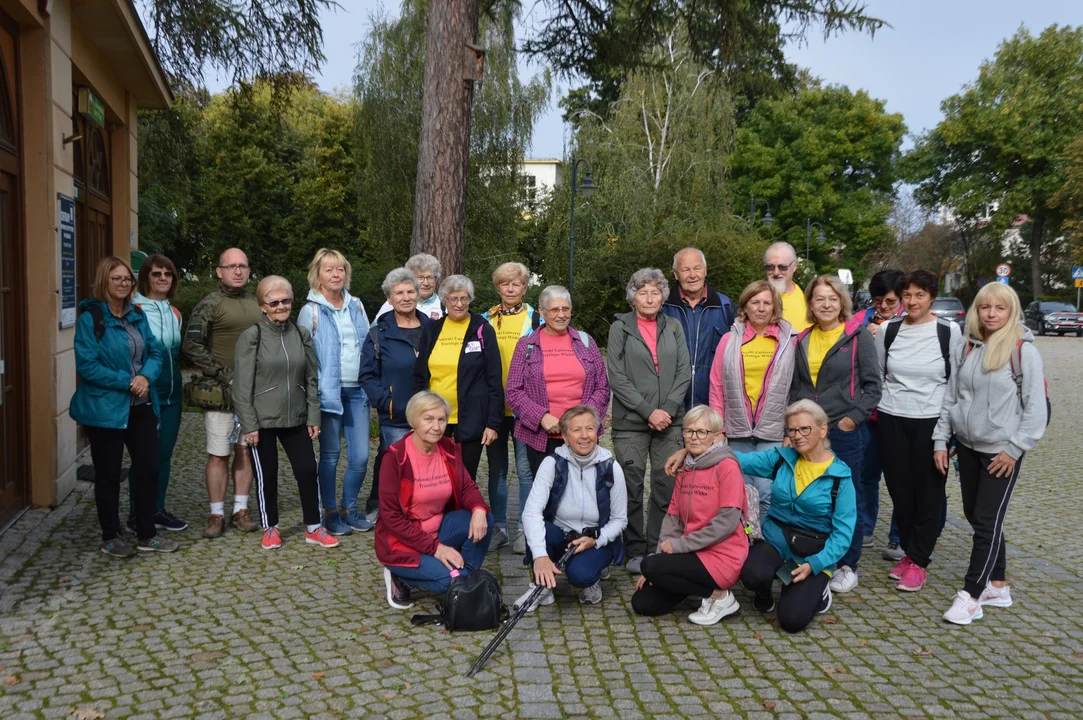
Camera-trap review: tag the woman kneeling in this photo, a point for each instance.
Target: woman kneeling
(433, 523)
(703, 541)
(579, 490)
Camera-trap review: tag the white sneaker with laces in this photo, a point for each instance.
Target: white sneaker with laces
(711, 611)
(591, 595)
(993, 596)
(545, 597)
(844, 580)
(964, 609)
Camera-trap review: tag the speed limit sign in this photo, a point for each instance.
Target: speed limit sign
(1004, 270)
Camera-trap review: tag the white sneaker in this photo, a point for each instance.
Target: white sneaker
(545, 597)
(964, 609)
(634, 564)
(519, 546)
(591, 595)
(711, 611)
(996, 596)
(844, 580)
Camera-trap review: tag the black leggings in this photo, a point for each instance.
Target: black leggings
(985, 504)
(471, 451)
(915, 485)
(298, 446)
(107, 451)
(535, 458)
(671, 579)
(800, 601)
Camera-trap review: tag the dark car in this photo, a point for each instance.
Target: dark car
(950, 308)
(1051, 316)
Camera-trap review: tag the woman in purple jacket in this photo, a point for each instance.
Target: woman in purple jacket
(553, 369)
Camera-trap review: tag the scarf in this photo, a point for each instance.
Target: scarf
(583, 460)
(709, 457)
(500, 311)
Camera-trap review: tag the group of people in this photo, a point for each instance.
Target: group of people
(788, 398)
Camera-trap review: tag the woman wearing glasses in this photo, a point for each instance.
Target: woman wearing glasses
(459, 359)
(118, 360)
(811, 522)
(276, 399)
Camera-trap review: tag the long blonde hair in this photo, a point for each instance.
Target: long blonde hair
(999, 345)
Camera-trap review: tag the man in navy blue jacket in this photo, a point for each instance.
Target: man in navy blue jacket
(705, 314)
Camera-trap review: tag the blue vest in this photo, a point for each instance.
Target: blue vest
(603, 481)
(328, 347)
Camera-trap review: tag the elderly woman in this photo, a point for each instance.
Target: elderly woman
(426, 269)
(996, 407)
(459, 360)
(750, 377)
(512, 319)
(811, 522)
(433, 523)
(836, 367)
(276, 400)
(649, 372)
(704, 543)
(578, 498)
(338, 325)
(118, 360)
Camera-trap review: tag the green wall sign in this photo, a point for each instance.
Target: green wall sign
(91, 107)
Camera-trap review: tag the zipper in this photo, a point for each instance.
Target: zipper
(282, 340)
(261, 392)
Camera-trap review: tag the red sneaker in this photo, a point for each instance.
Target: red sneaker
(900, 568)
(271, 539)
(321, 537)
(913, 579)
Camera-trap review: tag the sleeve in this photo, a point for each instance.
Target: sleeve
(369, 377)
(197, 337)
(384, 309)
(524, 404)
(675, 402)
(717, 396)
(943, 430)
(244, 368)
(618, 509)
(87, 363)
(394, 516)
(722, 525)
(599, 398)
(672, 530)
(533, 521)
(424, 350)
(312, 388)
(152, 364)
(1032, 426)
(760, 464)
(868, 377)
(842, 529)
(623, 389)
(304, 317)
(494, 377)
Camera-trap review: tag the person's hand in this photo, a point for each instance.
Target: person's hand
(545, 572)
(659, 420)
(313, 431)
(641, 582)
(488, 437)
(847, 425)
(803, 571)
(940, 459)
(873, 329)
(550, 424)
(449, 556)
(479, 525)
(787, 441)
(583, 543)
(666, 546)
(251, 439)
(139, 386)
(676, 460)
(1002, 465)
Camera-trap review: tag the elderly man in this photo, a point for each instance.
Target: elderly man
(780, 263)
(705, 316)
(426, 268)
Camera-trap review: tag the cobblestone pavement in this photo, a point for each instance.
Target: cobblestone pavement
(222, 629)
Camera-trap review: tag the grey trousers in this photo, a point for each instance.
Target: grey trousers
(633, 448)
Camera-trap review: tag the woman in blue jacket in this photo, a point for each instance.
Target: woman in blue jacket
(810, 523)
(117, 360)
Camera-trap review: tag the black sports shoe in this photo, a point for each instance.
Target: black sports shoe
(764, 603)
(130, 525)
(165, 520)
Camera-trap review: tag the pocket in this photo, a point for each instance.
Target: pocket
(262, 392)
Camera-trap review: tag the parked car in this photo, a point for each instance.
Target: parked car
(951, 308)
(1051, 316)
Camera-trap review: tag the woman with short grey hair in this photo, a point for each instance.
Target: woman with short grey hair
(456, 284)
(398, 276)
(426, 269)
(649, 372)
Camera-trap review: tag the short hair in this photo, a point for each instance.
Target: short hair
(221, 257)
(553, 292)
(270, 284)
(779, 246)
(324, 255)
(884, 282)
(846, 310)
(149, 264)
(922, 278)
(807, 406)
(398, 276)
(422, 402)
(574, 412)
(755, 288)
(422, 262)
(511, 271)
(682, 251)
(456, 283)
(101, 277)
(704, 412)
(647, 276)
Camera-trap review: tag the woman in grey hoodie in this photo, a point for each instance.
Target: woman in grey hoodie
(995, 405)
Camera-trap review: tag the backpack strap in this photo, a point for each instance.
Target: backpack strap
(176, 314)
(374, 335)
(584, 337)
(891, 331)
(835, 493)
(943, 334)
(315, 316)
(1016, 362)
(99, 322)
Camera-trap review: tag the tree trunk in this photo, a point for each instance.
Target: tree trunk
(1036, 228)
(444, 146)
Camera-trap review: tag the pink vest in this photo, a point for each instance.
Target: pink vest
(766, 421)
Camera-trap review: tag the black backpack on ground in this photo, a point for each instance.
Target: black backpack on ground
(472, 602)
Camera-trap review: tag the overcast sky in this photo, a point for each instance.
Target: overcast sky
(931, 49)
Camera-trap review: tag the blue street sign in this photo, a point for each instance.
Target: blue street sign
(1003, 281)
(1077, 272)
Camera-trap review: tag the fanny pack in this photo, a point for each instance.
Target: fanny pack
(472, 602)
(207, 393)
(802, 541)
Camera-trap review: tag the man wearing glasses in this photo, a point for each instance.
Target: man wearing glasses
(780, 263)
(209, 344)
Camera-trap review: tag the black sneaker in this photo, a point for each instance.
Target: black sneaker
(130, 525)
(165, 520)
(764, 603)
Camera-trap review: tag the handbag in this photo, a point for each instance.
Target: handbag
(472, 602)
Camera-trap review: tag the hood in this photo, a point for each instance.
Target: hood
(141, 299)
(711, 456)
(600, 454)
(319, 299)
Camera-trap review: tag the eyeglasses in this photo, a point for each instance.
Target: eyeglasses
(696, 433)
(233, 268)
(804, 430)
(781, 268)
(285, 302)
(121, 280)
(563, 310)
(425, 278)
(161, 274)
(885, 301)
(457, 301)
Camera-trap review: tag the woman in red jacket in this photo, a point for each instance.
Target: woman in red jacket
(433, 523)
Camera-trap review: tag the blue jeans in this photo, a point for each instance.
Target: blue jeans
(850, 448)
(354, 420)
(431, 574)
(583, 569)
(762, 485)
(389, 435)
(498, 474)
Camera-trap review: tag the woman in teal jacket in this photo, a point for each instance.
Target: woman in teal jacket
(117, 360)
(810, 523)
(157, 286)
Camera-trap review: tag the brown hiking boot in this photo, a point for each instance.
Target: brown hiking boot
(242, 520)
(216, 525)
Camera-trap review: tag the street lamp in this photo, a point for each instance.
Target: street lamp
(808, 236)
(587, 188)
(768, 221)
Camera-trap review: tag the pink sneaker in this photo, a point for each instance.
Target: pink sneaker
(321, 537)
(900, 567)
(272, 540)
(913, 579)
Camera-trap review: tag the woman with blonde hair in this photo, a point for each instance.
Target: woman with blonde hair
(996, 407)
